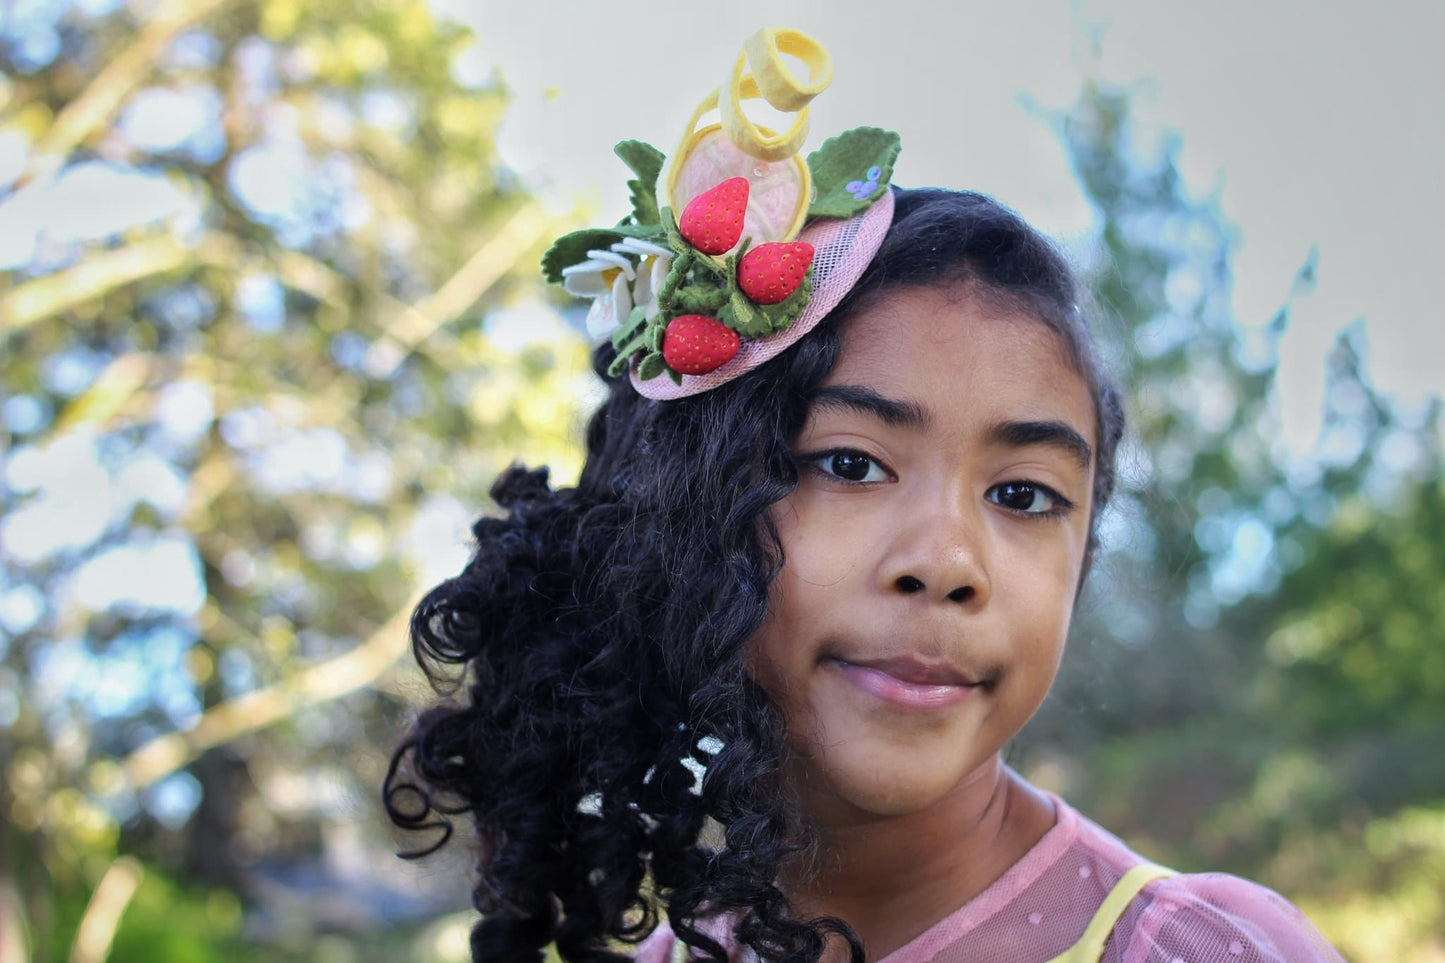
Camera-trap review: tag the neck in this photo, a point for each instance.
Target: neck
(892, 877)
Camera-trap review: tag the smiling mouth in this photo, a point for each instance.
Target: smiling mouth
(910, 683)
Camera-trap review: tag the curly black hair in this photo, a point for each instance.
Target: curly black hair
(613, 752)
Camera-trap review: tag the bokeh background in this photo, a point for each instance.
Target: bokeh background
(270, 322)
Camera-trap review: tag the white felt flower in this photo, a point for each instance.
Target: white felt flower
(615, 283)
(652, 271)
(605, 278)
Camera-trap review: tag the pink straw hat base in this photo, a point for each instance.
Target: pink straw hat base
(841, 251)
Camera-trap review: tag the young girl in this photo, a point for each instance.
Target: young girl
(754, 673)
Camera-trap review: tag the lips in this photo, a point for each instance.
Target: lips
(915, 671)
(908, 682)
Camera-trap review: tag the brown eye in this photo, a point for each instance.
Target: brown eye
(850, 466)
(1026, 497)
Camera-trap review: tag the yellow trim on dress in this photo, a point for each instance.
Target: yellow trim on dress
(1090, 948)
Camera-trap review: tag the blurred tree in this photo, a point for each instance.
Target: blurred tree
(249, 407)
(1259, 666)
(1201, 469)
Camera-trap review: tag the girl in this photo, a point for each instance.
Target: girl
(756, 670)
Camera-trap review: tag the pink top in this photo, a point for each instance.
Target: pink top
(1040, 907)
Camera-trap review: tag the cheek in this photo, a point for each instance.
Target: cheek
(815, 567)
(1044, 564)
(1036, 592)
(822, 546)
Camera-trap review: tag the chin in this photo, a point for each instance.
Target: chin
(883, 784)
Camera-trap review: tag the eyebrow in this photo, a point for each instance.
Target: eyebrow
(1021, 434)
(890, 411)
(908, 414)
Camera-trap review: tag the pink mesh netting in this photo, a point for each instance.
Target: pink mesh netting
(841, 250)
(1040, 907)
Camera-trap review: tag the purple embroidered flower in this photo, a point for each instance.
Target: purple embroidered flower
(861, 189)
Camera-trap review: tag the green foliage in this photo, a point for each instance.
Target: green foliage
(170, 923)
(293, 387)
(1361, 641)
(1259, 711)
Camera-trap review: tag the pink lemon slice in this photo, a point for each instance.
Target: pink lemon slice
(778, 191)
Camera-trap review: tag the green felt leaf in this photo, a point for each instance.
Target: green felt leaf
(675, 278)
(676, 377)
(619, 365)
(845, 159)
(780, 316)
(651, 367)
(646, 162)
(644, 159)
(744, 317)
(652, 232)
(572, 249)
(675, 240)
(630, 328)
(715, 266)
(702, 298)
(632, 336)
(655, 335)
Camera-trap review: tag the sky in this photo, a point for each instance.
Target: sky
(1319, 125)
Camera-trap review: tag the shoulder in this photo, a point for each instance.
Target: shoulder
(1200, 917)
(657, 948)
(1216, 916)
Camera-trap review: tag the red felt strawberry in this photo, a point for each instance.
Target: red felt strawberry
(696, 344)
(713, 221)
(770, 272)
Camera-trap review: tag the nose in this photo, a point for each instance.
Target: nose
(939, 555)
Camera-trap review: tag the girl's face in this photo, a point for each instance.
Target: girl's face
(932, 551)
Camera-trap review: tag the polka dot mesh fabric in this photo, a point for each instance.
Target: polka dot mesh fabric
(1038, 910)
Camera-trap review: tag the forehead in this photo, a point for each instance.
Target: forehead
(954, 353)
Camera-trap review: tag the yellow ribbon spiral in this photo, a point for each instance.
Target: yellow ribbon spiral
(768, 78)
(774, 82)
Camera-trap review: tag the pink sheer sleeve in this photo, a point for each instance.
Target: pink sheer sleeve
(1215, 916)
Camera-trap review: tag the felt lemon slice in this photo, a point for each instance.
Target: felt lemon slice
(780, 183)
(778, 191)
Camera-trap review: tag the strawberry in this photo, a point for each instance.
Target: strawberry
(770, 272)
(696, 344)
(713, 221)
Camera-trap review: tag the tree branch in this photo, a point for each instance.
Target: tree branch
(103, 96)
(483, 269)
(313, 685)
(93, 277)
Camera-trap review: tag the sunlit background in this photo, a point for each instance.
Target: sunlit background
(270, 322)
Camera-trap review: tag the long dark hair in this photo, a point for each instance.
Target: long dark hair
(613, 752)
